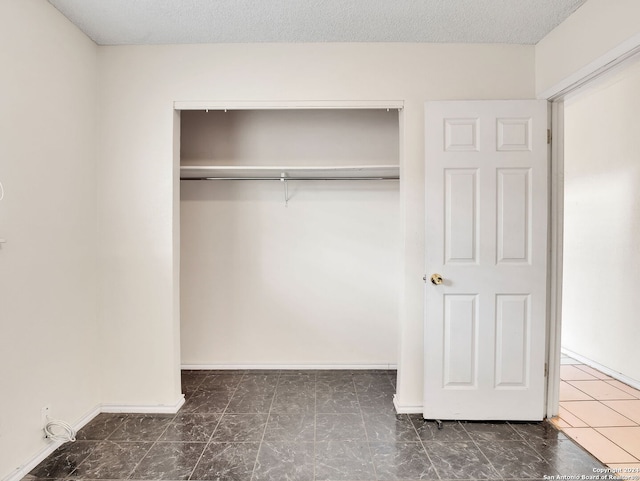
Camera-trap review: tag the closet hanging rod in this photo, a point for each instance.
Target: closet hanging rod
(292, 178)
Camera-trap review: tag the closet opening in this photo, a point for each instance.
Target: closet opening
(290, 238)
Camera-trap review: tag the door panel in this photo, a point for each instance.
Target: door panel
(460, 340)
(512, 340)
(486, 216)
(514, 216)
(461, 216)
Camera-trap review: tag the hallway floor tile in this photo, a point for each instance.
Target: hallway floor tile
(601, 414)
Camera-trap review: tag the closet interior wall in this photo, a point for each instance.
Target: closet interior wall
(314, 282)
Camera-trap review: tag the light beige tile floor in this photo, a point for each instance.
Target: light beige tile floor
(600, 390)
(594, 372)
(570, 420)
(599, 445)
(596, 414)
(629, 408)
(570, 393)
(623, 387)
(628, 437)
(601, 414)
(571, 372)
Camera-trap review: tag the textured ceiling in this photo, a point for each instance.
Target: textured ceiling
(119, 22)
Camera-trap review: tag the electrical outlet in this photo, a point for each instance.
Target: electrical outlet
(45, 414)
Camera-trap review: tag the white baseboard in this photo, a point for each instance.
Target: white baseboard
(143, 409)
(51, 446)
(284, 367)
(603, 369)
(406, 408)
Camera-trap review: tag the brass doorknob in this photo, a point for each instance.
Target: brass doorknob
(436, 279)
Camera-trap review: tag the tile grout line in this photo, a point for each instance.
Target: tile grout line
(577, 366)
(603, 404)
(541, 456)
(481, 451)
(423, 446)
(98, 443)
(364, 425)
(69, 475)
(275, 391)
(206, 445)
(598, 378)
(618, 412)
(561, 404)
(315, 423)
(579, 445)
(621, 447)
(635, 396)
(216, 428)
(609, 380)
(150, 448)
(593, 398)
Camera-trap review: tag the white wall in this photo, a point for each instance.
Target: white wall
(313, 283)
(303, 137)
(602, 224)
(48, 273)
(591, 32)
(48, 327)
(137, 219)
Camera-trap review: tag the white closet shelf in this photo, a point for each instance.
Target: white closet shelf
(197, 172)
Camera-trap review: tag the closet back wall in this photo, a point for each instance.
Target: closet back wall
(312, 284)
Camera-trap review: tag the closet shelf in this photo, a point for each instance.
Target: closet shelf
(349, 172)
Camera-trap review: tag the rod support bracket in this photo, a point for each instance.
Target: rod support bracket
(283, 178)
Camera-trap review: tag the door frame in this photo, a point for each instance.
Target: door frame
(224, 105)
(585, 78)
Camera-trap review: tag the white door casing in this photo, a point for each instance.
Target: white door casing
(486, 216)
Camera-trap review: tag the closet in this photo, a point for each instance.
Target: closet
(290, 237)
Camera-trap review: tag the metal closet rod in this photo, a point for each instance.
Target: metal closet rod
(291, 178)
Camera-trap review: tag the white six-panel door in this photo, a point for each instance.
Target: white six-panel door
(486, 215)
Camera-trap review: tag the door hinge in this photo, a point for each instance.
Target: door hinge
(546, 369)
(548, 136)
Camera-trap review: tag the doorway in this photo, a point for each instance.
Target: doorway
(599, 405)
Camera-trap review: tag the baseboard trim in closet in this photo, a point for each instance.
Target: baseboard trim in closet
(285, 367)
(51, 446)
(144, 409)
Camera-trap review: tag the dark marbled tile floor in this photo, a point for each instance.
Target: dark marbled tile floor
(306, 426)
